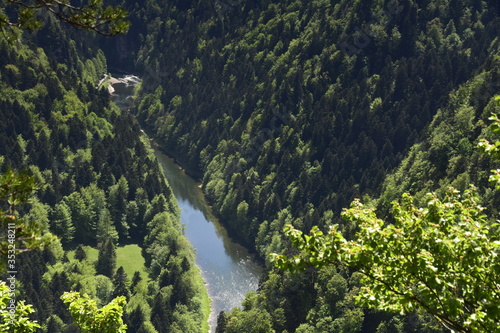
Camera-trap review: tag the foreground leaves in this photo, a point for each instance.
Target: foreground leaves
(442, 259)
(90, 319)
(28, 15)
(14, 314)
(18, 235)
(493, 149)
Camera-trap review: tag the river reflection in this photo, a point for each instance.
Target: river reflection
(228, 269)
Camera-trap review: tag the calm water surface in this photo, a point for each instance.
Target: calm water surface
(228, 269)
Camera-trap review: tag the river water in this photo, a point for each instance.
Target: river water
(228, 269)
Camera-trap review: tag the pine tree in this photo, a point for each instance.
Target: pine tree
(221, 322)
(55, 325)
(161, 313)
(117, 199)
(80, 253)
(106, 260)
(120, 282)
(134, 319)
(135, 280)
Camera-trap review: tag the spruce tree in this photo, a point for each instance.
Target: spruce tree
(120, 282)
(106, 260)
(55, 325)
(134, 319)
(135, 280)
(62, 224)
(80, 253)
(221, 322)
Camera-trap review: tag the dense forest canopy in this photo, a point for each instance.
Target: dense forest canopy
(286, 110)
(99, 189)
(290, 109)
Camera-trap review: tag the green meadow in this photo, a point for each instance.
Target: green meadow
(128, 256)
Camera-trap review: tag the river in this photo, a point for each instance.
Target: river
(228, 269)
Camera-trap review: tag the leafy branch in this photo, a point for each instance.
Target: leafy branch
(104, 20)
(90, 319)
(15, 189)
(442, 258)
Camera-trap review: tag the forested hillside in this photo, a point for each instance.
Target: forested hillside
(289, 109)
(286, 110)
(100, 190)
(279, 118)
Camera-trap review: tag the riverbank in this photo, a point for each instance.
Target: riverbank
(229, 269)
(197, 175)
(201, 313)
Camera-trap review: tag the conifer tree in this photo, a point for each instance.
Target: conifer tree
(221, 322)
(62, 225)
(106, 260)
(161, 313)
(135, 319)
(135, 280)
(80, 253)
(120, 281)
(55, 325)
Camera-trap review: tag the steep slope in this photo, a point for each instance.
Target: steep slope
(448, 154)
(99, 186)
(269, 108)
(290, 109)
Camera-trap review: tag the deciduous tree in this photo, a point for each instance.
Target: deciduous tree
(16, 321)
(442, 258)
(17, 234)
(90, 319)
(18, 15)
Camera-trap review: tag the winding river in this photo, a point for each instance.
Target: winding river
(228, 269)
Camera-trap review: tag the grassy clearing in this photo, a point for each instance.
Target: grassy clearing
(205, 300)
(128, 256)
